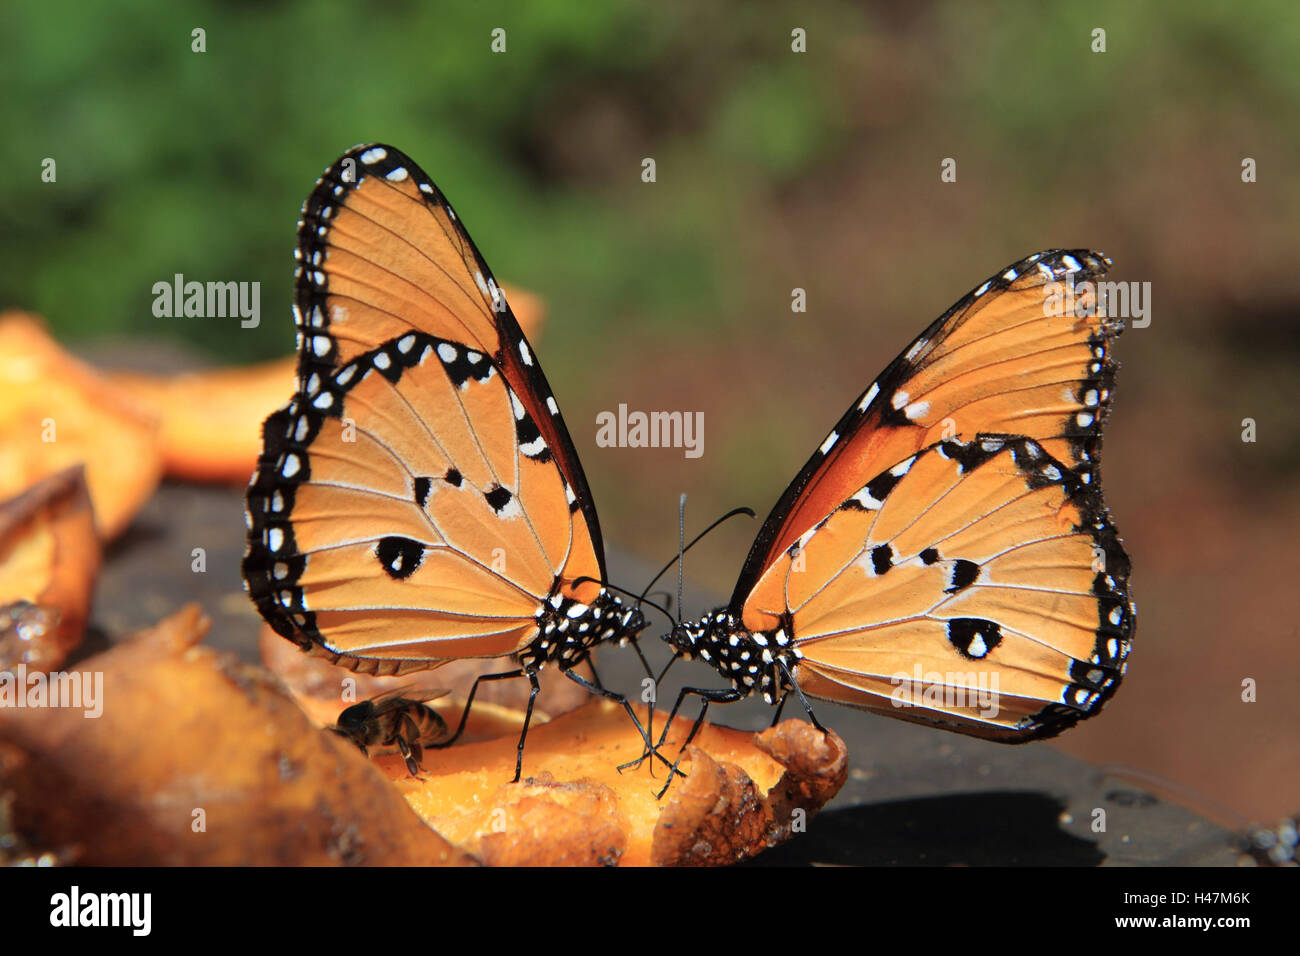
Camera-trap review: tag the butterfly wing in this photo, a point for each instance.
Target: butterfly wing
(1007, 358)
(978, 585)
(419, 499)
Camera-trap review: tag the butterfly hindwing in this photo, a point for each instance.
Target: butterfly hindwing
(972, 565)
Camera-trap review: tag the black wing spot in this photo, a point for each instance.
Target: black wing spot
(399, 556)
(461, 367)
(929, 556)
(422, 488)
(498, 498)
(453, 477)
(964, 574)
(880, 486)
(882, 558)
(974, 637)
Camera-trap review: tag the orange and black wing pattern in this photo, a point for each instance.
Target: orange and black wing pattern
(1014, 356)
(978, 585)
(946, 556)
(419, 498)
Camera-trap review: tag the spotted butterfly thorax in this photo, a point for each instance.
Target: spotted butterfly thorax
(419, 499)
(945, 556)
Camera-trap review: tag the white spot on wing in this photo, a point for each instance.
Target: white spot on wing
(902, 468)
(865, 499)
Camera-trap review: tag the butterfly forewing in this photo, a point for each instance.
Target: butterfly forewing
(396, 258)
(1013, 356)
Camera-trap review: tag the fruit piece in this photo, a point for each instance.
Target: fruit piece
(56, 412)
(741, 795)
(49, 557)
(198, 759)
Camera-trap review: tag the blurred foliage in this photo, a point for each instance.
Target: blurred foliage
(175, 161)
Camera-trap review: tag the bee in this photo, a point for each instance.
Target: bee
(394, 719)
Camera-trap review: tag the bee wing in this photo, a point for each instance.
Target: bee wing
(406, 694)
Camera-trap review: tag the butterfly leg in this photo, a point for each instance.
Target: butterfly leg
(594, 676)
(460, 728)
(653, 748)
(650, 704)
(619, 698)
(708, 696)
(528, 717)
(672, 715)
(802, 699)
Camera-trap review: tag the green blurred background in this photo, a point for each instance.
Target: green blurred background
(775, 170)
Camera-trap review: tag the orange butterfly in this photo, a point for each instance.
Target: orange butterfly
(945, 556)
(419, 499)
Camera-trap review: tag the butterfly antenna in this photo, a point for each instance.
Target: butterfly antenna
(682, 550)
(681, 547)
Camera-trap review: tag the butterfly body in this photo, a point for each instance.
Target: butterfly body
(945, 556)
(755, 662)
